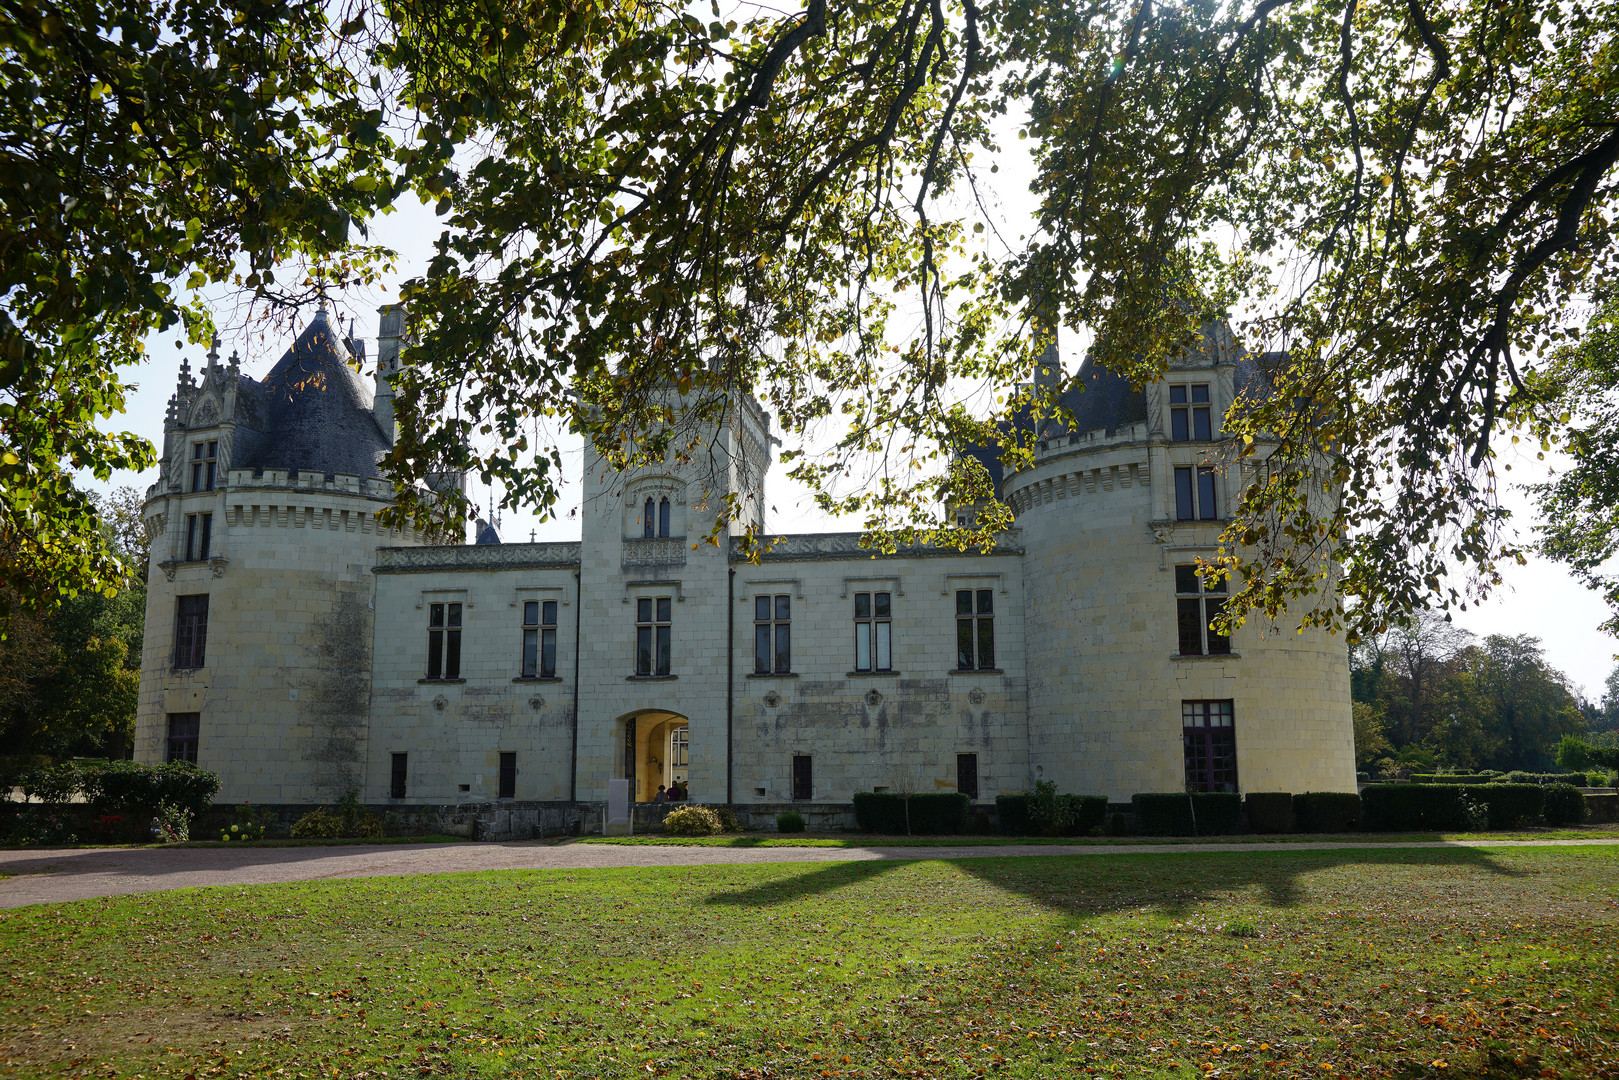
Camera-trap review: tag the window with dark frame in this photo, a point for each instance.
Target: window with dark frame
(967, 775)
(652, 619)
(539, 639)
(396, 776)
(1196, 605)
(1209, 734)
(182, 739)
(444, 641)
(199, 536)
(190, 631)
(649, 520)
(508, 775)
(803, 778)
(1189, 417)
(873, 632)
(1194, 494)
(772, 634)
(975, 629)
(663, 517)
(204, 461)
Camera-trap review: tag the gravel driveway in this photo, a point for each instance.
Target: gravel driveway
(52, 876)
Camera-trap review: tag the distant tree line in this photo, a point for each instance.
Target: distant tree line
(1428, 694)
(70, 675)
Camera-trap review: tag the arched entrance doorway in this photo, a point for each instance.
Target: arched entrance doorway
(655, 751)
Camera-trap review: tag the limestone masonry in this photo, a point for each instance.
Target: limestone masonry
(300, 650)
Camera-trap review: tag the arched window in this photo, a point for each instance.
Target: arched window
(648, 522)
(663, 518)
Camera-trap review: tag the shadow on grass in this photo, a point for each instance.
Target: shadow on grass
(1084, 885)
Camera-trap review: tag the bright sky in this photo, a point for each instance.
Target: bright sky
(1539, 599)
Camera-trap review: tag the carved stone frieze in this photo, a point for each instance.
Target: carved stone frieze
(848, 545)
(475, 557)
(659, 552)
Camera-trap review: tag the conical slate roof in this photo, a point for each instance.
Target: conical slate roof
(318, 410)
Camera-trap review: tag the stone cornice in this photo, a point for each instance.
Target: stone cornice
(817, 546)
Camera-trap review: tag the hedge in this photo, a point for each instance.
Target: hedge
(1084, 815)
(933, 812)
(1327, 811)
(1565, 805)
(1543, 778)
(1269, 811)
(1451, 778)
(137, 789)
(1171, 813)
(1439, 806)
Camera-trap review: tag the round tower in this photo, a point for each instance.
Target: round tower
(1130, 689)
(257, 656)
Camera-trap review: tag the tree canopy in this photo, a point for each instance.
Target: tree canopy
(1406, 199)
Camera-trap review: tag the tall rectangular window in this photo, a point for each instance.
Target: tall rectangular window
(1210, 739)
(204, 460)
(199, 536)
(873, 632)
(1189, 413)
(508, 775)
(652, 619)
(967, 775)
(396, 776)
(190, 631)
(539, 639)
(772, 634)
(443, 641)
(975, 629)
(182, 741)
(803, 778)
(1194, 494)
(1196, 605)
(679, 747)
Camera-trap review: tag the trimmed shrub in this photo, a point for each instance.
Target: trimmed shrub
(1012, 812)
(1327, 811)
(1597, 779)
(933, 812)
(319, 824)
(1031, 813)
(1565, 805)
(1200, 813)
(1444, 806)
(51, 784)
(692, 821)
(1544, 778)
(1510, 806)
(791, 821)
(136, 789)
(1269, 811)
(1413, 806)
(728, 819)
(1087, 814)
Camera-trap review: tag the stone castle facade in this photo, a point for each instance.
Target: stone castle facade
(300, 650)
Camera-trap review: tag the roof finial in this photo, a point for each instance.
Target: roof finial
(213, 352)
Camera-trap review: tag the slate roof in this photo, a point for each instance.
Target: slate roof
(487, 534)
(1101, 400)
(317, 410)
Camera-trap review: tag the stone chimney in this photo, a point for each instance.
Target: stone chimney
(390, 320)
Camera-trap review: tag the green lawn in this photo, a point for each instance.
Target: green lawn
(1372, 962)
(844, 840)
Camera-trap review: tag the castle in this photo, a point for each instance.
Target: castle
(301, 650)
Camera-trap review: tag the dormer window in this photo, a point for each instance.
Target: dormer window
(204, 460)
(1189, 413)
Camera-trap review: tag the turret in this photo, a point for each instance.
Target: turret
(390, 320)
